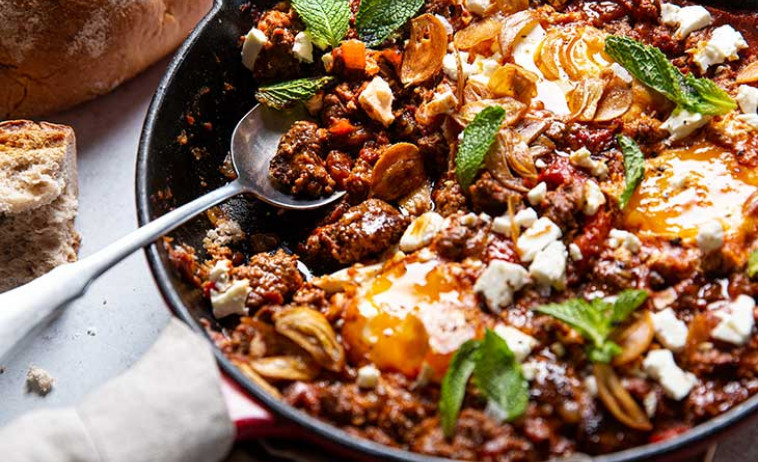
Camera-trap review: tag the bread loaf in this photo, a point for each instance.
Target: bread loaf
(55, 54)
(38, 200)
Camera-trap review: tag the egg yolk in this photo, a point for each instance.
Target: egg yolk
(684, 188)
(413, 312)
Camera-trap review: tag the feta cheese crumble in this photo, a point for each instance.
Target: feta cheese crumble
(575, 252)
(669, 330)
(537, 194)
(619, 238)
(478, 7)
(303, 47)
(254, 42)
(521, 344)
(593, 198)
(549, 266)
(725, 44)
(710, 236)
(582, 158)
(737, 325)
(689, 18)
(421, 231)
(445, 23)
(676, 383)
(368, 377)
(231, 300)
(681, 123)
(450, 65)
(499, 281)
(376, 99)
(747, 98)
(537, 237)
(525, 217)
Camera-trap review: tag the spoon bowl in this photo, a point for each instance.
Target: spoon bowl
(254, 143)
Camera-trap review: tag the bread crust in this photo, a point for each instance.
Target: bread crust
(56, 54)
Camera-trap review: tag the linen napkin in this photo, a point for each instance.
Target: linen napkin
(168, 407)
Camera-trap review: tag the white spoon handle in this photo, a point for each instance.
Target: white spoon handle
(25, 307)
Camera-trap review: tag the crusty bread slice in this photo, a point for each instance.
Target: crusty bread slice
(38, 200)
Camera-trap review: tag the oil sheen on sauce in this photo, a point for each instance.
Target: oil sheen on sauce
(684, 188)
(415, 311)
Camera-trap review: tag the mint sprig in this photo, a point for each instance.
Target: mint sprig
(285, 94)
(377, 19)
(454, 383)
(327, 21)
(651, 67)
(596, 319)
(752, 264)
(634, 168)
(496, 373)
(478, 136)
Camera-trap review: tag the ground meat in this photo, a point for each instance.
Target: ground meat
(490, 196)
(298, 166)
(276, 61)
(448, 197)
(364, 230)
(458, 241)
(564, 205)
(273, 277)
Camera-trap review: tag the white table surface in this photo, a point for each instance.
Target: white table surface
(103, 333)
(123, 309)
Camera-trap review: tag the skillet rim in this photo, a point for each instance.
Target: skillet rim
(699, 435)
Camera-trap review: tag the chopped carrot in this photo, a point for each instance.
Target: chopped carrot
(342, 127)
(354, 55)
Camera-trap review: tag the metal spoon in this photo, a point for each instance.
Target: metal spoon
(254, 142)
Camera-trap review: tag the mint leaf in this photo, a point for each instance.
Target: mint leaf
(498, 375)
(752, 264)
(648, 64)
(596, 319)
(586, 317)
(285, 94)
(626, 303)
(453, 388)
(651, 67)
(478, 136)
(604, 353)
(326, 20)
(377, 19)
(709, 98)
(634, 168)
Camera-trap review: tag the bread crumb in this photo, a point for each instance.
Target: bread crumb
(91, 331)
(226, 232)
(39, 381)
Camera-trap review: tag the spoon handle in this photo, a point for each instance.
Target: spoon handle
(23, 308)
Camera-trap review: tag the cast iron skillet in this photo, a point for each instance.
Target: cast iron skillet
(179, 159)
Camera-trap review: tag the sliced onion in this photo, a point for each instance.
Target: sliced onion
(425, 50)
(634, 340)
(476, 91)
(514, 110)
(286, 368)
(618, 401)
(749, 74)
(548, 56)
(583, 99)
(399, 170)
(616, 99)
(511, 6)
(513, 80)
(476, 33)
(513, 27)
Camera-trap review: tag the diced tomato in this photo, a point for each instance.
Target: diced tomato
(341, 127)
(668, 433)
(596, 230)
(558, 173)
